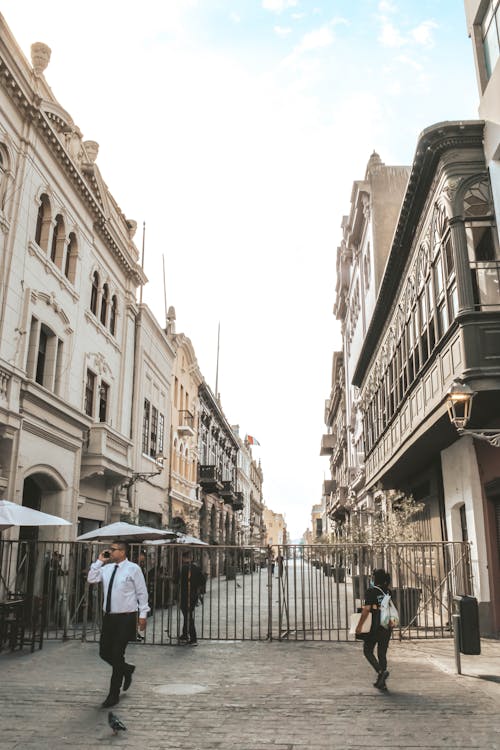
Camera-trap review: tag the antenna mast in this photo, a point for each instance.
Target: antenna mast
(217, 368)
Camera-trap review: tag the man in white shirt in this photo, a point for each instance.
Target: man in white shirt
(125, 594)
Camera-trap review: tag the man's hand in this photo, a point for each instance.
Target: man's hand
(142, 624)
(104, 558)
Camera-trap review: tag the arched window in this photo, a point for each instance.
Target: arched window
(58, 242)
(43, 223)
(71, 256)
(104, 304)
(112, 314)
(94, 293)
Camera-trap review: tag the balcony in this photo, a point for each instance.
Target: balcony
(186, 423)
(209, 477)
(106, 453)
(329, 486)
(227, 492)
(328, 443)
(238, 502)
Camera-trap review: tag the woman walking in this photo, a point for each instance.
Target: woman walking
(378, 635)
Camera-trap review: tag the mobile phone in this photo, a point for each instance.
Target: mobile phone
(106, 553)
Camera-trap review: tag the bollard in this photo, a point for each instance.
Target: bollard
(456, 639)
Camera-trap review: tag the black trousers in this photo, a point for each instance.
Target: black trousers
(379, 638)
(187, 609)
(117, 631)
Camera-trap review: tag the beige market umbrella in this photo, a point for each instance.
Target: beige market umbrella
(128, 532)
(13, 514)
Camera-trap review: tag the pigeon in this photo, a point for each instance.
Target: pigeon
(115, 723)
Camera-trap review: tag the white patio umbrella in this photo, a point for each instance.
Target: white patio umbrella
(13, 514)
(182, 539)
(128, 532)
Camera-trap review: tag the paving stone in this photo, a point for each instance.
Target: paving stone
(256, 696)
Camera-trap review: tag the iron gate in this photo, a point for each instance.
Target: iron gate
(294, 592)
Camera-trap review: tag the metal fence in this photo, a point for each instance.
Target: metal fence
(294, 592)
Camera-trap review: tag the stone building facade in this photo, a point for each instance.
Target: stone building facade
(68, 278)
(437, 320)
(103, 413)
(276, 531)
(217, 471)
(183, 491)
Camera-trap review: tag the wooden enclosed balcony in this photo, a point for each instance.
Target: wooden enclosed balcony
(209, 477)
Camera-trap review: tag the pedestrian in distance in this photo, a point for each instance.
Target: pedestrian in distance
(191, 586)
(378, 636)
(125, 595)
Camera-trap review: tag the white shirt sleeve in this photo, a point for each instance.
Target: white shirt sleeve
(95, 572)
(142, 592)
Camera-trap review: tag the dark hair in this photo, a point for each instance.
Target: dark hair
(381, 578)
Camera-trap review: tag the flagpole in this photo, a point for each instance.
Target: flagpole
(217, 367)
(142, 259)
(164, 290)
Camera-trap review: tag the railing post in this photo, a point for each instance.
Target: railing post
(456, 638)
(269, 593)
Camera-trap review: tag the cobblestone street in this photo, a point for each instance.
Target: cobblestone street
(252, 696)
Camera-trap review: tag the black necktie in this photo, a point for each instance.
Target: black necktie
(110, 586)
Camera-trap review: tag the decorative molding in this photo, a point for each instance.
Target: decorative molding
(51, 301)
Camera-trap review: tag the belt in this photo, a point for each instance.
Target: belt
(116, 614)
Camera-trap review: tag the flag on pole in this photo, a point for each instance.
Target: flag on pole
(251, 440)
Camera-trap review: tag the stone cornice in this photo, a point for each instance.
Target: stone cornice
(32, 110)
(433, 143)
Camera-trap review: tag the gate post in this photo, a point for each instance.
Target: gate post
(269, 593)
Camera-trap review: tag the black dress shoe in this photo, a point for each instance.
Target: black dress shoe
(111, 700)
(127, 678)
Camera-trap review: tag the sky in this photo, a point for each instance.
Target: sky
(235, 129)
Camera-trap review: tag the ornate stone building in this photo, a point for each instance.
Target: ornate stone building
(217, 471)
(276, 532)
(437, 319)
(183, 493)
(68, 278)
(146, 492)
(361, 257)
(257, 525)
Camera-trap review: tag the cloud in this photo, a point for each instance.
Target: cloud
(405, 60)
(282, 30)
(385, 6)
(235, 18)
(422, 34)
(390, 36)
(278, 6)
(316, 39)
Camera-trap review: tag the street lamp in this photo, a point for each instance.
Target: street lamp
(459, 404)
(145, 476)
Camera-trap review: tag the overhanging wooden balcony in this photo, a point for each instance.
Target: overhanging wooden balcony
(238, 501)
(209, 477)
(227, 492)
(328, 443)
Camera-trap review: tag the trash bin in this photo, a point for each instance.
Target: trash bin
(468, 628)
(407, 601)
(339, 575)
